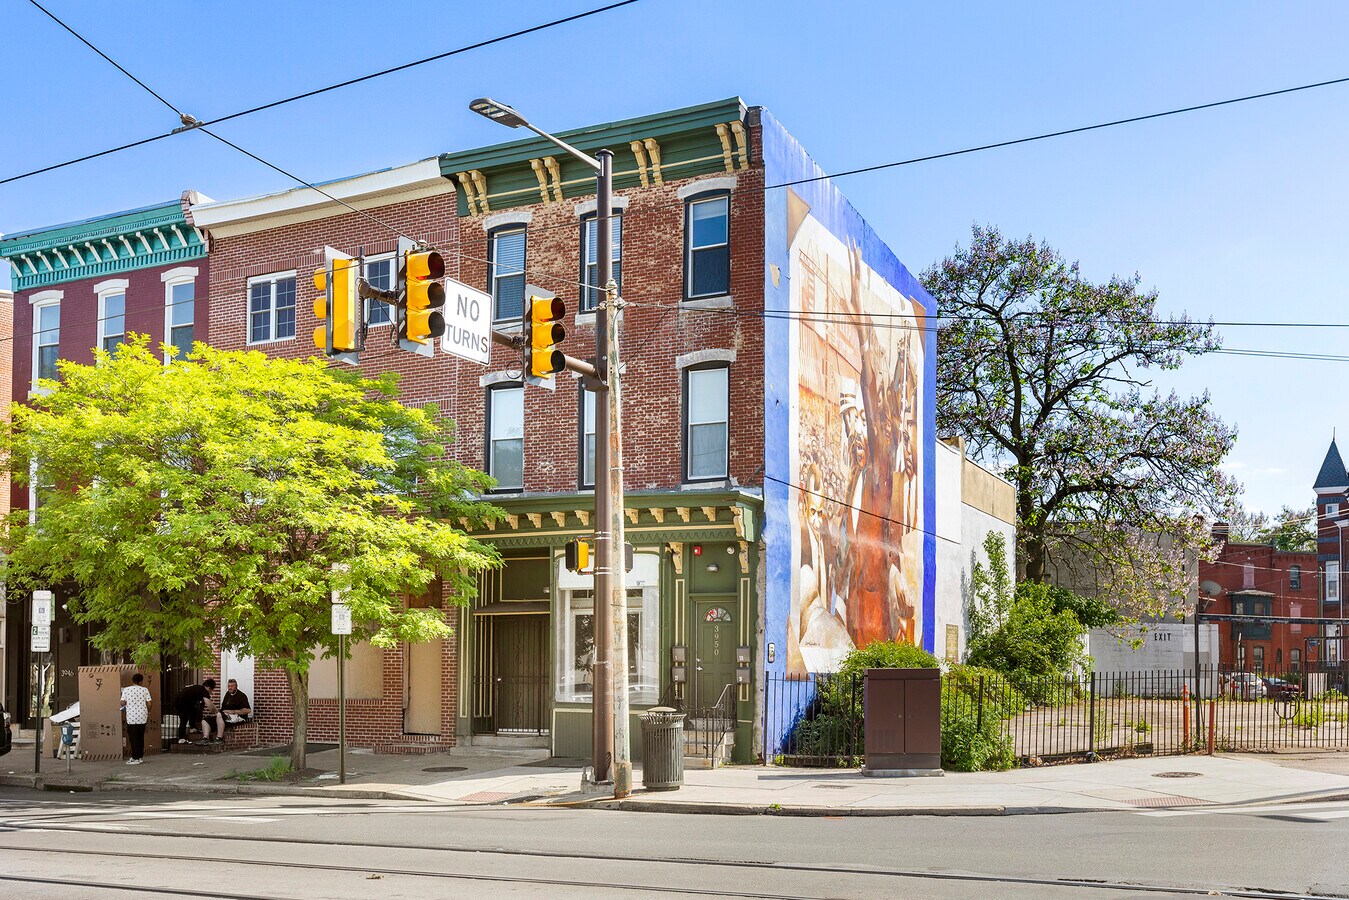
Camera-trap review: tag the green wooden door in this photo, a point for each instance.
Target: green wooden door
(714, 649)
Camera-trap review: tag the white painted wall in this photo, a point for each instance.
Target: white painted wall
(1163, 647)
(961, 529)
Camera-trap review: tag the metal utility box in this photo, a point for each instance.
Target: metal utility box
(902, 724)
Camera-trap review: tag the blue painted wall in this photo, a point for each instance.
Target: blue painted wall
(787, 170)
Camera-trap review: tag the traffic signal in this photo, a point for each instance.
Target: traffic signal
(421, 318)
(576, 555)
(543, 332)
(337, 307)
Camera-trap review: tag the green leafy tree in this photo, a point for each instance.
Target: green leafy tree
(1292, 529)
(225, 499)
(1045, 375)
(1036, 639)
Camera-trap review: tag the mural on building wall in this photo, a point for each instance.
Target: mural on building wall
(849, 409)
(859, 365)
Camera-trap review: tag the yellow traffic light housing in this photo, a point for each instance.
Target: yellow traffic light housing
(421, 318)
(576, 555)
(337, 307)
(543, 332)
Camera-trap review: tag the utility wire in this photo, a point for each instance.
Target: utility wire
(313, 93)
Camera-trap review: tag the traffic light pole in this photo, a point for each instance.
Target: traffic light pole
(611, 623)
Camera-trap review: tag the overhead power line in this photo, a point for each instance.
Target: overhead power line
(302, 96)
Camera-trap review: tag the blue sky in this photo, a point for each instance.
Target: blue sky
(1234, 213)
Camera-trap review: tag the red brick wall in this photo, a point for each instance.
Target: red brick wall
(1270, 572)
(145, 314)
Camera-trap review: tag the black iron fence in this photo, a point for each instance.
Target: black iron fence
(510, 704)
(708, 730)
(818, 720)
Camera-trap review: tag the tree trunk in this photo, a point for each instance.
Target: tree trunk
(299, 697)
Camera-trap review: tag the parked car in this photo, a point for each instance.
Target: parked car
(6, 739)
(1243, 686)
(1278, 687)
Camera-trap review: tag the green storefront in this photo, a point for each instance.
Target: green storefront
(525, 644)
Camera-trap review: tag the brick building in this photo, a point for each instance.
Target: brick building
(1260, 580)
(80, 286)
(778, 448)
(778, 419)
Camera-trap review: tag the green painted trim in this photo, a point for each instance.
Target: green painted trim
(135, 227)
(687, 137)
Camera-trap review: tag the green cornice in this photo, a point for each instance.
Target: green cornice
(650, 517)
(687, 140)
(136, 239)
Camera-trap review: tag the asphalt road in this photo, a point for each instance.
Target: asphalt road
(110, 847)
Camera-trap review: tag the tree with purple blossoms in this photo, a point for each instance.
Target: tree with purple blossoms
(1047, 377)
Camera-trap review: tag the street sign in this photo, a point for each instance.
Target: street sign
(341, 618)
(41, 638)
(468, 322)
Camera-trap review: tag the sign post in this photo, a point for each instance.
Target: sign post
(41, 643)
(341, 628)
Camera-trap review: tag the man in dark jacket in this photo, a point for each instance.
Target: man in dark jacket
(188, 706)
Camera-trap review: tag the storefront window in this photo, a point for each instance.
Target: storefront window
(576, 632)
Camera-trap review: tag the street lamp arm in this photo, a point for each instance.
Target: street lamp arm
(583, 157)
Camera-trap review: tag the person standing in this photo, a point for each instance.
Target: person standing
(136, 705)
(188, 705)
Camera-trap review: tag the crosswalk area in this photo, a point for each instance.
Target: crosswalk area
(109, 815)
(1327, 811)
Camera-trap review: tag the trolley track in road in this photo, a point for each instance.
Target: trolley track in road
(380, 871)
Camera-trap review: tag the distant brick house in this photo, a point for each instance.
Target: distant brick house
(1260, 580)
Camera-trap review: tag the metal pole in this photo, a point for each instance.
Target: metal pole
(618, 601)
(37, 714)
(602, 701)
(341, 709)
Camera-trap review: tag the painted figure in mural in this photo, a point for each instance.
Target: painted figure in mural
(873, 547)
(821, 615)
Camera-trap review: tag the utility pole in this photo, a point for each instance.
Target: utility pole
(612, 758)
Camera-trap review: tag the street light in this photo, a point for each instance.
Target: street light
(610, 697)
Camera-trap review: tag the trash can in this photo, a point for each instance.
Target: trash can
(662, 749)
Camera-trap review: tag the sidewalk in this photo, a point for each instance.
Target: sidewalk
(482, 776)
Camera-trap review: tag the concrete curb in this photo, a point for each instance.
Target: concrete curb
(57, 783)
(734, 809)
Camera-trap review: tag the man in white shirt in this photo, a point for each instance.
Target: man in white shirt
(136, 705)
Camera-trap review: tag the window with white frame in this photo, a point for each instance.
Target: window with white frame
(1332, 582)
(111, 313)
(587, 418)
(576, 632)
(506, 436)
(1332, 510)
(1295, 578)
(271, 308)
(380, 273)
(1295, 610)
(506, 278)
(707, 230)
(592, 290)
(180, 311)
(706, 431)
(46, 340)
(1295, 659)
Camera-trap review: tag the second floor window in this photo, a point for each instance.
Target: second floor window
(111, 320)
(379, 273)
(506, 278)
(706, 407)
(271, 308)
(506, 436)
(46, 340)
(707, 230)
(1295, 578)
(181, 316)
(593, 291)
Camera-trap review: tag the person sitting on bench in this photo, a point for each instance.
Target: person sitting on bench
(234, 704)
(211, 715)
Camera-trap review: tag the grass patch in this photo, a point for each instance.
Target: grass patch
(277, 768)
